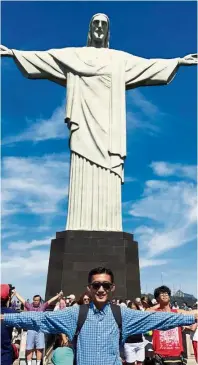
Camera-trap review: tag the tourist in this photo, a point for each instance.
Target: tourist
(57, 341)
(167, 345)
(7, 349)
(133, 305)
(63, 356)
(98, 340)
(185, 306)
(122, 303)
(175, 305)
(114, 301)
(84, 299)
(60, 305)
(139, 304)
(134, 347)
(72, 299)
(146, 302)
(13, 305)
(35, 339)
(154, 302)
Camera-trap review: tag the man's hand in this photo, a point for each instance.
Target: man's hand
(189, 60)
(60, 294)
(4, 51)
(2, 317)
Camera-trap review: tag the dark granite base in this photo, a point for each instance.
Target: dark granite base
(74, 253)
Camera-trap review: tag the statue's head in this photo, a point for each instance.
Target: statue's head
(99, 32)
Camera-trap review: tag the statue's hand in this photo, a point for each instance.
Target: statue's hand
(190, 59)
(4, 51)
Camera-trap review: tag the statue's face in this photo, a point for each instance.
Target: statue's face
(99, 28)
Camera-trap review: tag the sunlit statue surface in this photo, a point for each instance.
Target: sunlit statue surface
(96, 78)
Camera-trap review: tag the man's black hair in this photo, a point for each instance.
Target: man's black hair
(100, 270)
(37, 295)
(160, 290)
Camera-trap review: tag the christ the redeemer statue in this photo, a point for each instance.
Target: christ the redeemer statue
(96, 78)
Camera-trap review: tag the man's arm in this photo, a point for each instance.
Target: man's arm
(64, 321)
(19, 297)
(135, 322)
(57, 296)
(154, 308)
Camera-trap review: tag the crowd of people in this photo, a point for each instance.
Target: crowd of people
(97, 329)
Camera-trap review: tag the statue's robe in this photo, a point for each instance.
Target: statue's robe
(96, 80)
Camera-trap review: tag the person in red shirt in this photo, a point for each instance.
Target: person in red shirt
(167, 345)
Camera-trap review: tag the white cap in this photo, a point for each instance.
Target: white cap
(138, 300)
(72, 296)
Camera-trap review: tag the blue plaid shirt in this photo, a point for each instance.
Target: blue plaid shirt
(98, 341)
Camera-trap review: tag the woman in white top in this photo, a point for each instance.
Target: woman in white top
(134, 347)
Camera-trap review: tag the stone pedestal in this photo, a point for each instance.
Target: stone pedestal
(74, 253)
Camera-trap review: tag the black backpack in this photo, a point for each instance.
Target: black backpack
(83, 312)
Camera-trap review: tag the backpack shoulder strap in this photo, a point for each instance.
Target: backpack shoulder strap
(117, 316)
(82, 316)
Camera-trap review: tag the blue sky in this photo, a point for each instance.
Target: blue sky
(159, 195)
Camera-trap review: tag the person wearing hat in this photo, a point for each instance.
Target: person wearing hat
(7, 357)
(139, 304)
(72, 299)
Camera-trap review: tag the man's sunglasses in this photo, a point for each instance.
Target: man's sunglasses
(105, 284)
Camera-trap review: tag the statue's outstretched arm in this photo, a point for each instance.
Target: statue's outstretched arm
(149, 72)
(189, 60)
(6, 52)
(38, 64)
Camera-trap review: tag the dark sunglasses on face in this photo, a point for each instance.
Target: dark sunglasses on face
(105, 284)
(86, 299)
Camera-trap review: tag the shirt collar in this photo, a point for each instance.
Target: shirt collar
(104, 309)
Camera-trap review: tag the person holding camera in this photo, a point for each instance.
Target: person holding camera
(8, 350)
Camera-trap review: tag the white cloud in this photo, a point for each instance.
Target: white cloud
(128, 179)
(23, 245)
(34, 263)
(145, 262)
(34, 184)
(147, 107)
(162, 168)
(170, 212)
(26, 270)
(42, 129)
(142, 113)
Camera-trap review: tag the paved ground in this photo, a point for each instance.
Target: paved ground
(191, 362)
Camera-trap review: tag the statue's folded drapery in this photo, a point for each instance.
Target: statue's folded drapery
(96, 80)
